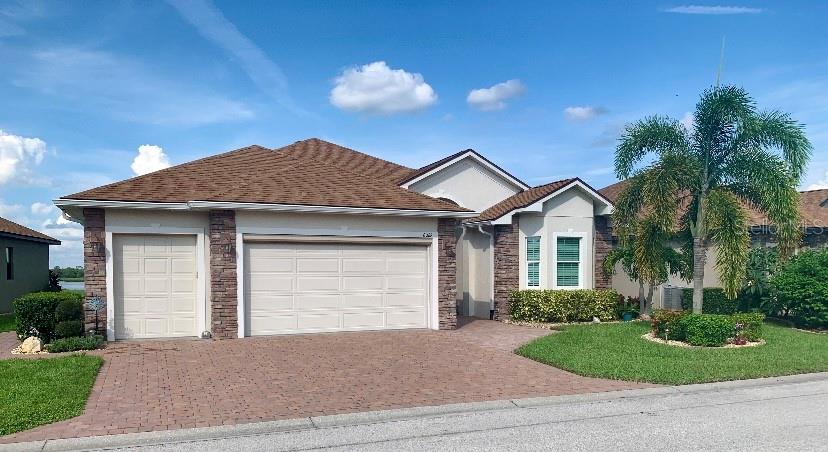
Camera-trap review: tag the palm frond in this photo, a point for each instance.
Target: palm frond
(657, 134)
(728, 228)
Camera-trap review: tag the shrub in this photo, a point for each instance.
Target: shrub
(714, 301)
(73, 344)
(70, 308)
(69, 328)
(799, 290)
(35, 313)
(710, 330)
(669, 324)
(563, 305)
(751, 324)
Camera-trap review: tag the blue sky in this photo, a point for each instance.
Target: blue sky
(542, 88)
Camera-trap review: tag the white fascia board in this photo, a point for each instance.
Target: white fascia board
(121, 204)
(196, 205)
(207, 205)
(478, 159)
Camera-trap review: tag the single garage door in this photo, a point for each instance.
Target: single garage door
(313, 287)
(155, 286)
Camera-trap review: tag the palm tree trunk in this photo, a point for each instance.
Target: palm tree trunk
(642, 302)
(648, 304)
(699, 258)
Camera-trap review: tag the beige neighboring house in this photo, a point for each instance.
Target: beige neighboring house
(813, 210)
(24, 262)
(315, 237)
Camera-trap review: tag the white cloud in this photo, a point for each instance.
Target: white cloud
(712, 10)
(583, 113)
(40, 208)
(150, 158)
(10, 211)
(376, 88)
(495, 97)
(212, 25)
(124, 88)
(17, 156)
(688, 121)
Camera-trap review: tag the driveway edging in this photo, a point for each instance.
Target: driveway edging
(381, 416)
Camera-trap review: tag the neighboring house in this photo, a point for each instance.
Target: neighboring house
(813, 210)
(315, 237)
(24, 262)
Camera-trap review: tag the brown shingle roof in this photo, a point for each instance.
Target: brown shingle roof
(810, 206)
(520, 200)
(11, 228)
(309, 172)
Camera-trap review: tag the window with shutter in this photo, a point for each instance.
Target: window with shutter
(568, 264)
(533, 261)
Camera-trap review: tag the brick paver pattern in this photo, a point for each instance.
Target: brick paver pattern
(158, 385)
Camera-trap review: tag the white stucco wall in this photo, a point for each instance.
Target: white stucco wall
(467, 183)
(628, 287)
(567, 214)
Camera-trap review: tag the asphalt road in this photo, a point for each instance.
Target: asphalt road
(777, 417)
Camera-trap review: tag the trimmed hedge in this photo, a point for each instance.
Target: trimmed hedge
(710, 330)
(73, 344)
(714, 301)
(563, 305)
(36, 313)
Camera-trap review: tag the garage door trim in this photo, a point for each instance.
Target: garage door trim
(428, 238)
(201, 301)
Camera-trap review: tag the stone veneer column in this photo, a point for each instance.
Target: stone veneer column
(223, 282)
(447, 273)
(94, 266)
(506, 266)
(603, 245)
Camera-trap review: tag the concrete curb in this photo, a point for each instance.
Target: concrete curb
(375, 417)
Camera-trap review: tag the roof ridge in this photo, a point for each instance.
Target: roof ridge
(170, 168)
(568, 179)
(348, 149)
(374, 180)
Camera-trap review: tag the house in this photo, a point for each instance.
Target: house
(24, 261)
(316, 237)
(813, 207)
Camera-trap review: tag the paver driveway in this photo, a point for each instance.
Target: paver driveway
(155, 385)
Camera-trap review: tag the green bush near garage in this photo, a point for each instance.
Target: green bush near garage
(563, 305)
(37, 314)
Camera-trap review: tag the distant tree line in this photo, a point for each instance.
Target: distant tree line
(67, 273)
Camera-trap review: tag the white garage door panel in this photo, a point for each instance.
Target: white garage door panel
(155, 286)
(314, 287)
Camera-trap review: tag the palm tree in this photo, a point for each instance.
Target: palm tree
(647, 257)
(696, 185)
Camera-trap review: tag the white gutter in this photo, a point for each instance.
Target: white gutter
(208, 205)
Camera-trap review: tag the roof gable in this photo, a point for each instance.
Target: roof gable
(443, 163)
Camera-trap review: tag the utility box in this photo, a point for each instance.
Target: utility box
(671, 298)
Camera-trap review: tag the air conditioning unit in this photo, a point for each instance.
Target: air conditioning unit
(671, 298)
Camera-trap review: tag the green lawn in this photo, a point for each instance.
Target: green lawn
(72, 279)
(618, 352)
(6, 322)
(42, 391)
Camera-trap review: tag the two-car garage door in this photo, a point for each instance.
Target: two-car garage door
(312, 287)
(289, 287)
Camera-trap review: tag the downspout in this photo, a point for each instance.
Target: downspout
(491, 269)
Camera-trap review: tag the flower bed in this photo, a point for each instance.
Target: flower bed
(707, 330)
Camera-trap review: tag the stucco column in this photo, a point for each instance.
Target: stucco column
(447, 273)
(506, 266)
(223, 282)
(94, 266)
(602, 247)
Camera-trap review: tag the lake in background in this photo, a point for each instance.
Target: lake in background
(72, 285)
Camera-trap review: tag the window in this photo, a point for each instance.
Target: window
(533, 261)
(568, 262)
(9, 263)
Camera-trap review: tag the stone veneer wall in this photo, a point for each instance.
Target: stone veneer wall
(94, 263)
(506, 266)
(447, 273)
(603, 245)
(223, 282)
